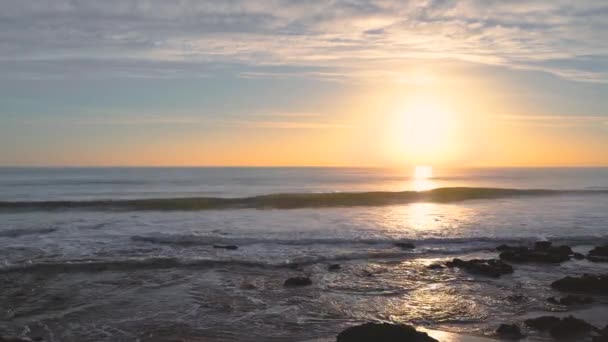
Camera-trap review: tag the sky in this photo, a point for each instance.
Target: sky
(303, 83)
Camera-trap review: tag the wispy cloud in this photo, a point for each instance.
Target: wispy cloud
(554, 120)
(333, 39)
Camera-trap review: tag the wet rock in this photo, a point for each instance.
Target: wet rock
(435, 267)
(587, 283)
(334, 267)
(14, 339)
(542, 323)
(602, 338)
(405, 245)
(370, 332)
(297, 281)
(598, 254)
(569, 327)
(578, 256)
(570, 300)
(542, 252)
(487, 267)
(516, 298)
(509, 331)
(230, 247)
(248, 286)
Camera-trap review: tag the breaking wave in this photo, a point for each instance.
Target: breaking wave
(297, 200)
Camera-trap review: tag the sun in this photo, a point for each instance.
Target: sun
(423, 172)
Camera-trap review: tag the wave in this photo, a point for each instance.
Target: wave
(297, 200)
(13, 233)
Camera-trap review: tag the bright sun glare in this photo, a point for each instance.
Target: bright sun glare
(423, 172)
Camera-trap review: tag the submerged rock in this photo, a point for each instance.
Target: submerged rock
(297, 281)
(435, 267)
(334, 267)
(542, 323)
(560, 327)
(585, 284)
(487, 267)
(405, 245)
(570, 300)
(542, 252)
(598, 254)
(230, 247)
(385, 332)
(569, 327)
(509, 331)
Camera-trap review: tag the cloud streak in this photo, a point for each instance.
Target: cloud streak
(332, 39)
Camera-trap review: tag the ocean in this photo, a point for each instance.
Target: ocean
(127, 254)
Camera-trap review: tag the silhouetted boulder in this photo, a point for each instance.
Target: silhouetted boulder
(598, 254)
(297, 281)
(587, 283)
(578, 256)
(570, 300)
(383, 332)
(570, 327)
(405, 245)
(334, 267)
(543, 252)
(435, 267)
(230, 247)
(542, 323)
(509, 331)
(487, 267)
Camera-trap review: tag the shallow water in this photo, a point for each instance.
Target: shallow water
(108, 275)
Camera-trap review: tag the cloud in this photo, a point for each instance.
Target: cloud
(554, 120)
(331, 39)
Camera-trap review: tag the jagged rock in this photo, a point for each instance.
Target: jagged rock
(578, 256)
(297, 281)
(570, 300)
(542, 323)
(487, 267)
(542, 252)
(405, 245)
(587, 283)
(230, 247)
(598, 254)
(334, 267)
(509, 331)
(385, 332)
(570, 326)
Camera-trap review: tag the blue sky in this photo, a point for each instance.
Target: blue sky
(132, 82)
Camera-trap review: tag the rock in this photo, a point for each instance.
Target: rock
(516, 298)
(230, 247)
(602, 338)
(542, 323)
(597, 284)
(435, 267)
(385, 332)
(578, 256)
(570, 326)
(248, 286)
(14, 339)
(405, 245)
(297, 281)
(598, 254)
(560, 328)
(571, 300)
(487, 267)
(509, 331)
(334, 267)
(543, 252)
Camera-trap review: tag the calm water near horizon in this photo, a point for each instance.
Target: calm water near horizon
(125, 275)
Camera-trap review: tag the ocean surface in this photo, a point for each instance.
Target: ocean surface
(126, 254)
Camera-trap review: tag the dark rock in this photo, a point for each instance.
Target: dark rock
(14, 339)
(248, 286)
(516, 298)
(571, 300)
(542, 323)
(297, 281)
(383, 332)
(231, 247)
(334, 267)
(570, 326)
(598, 254)
(543, 252)
(487, 267)
(584, 284)
(405, 245)
(604, 331)
(509, 331)
(435, 267)
(603, 338)
(542, 245)
(578, 256)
